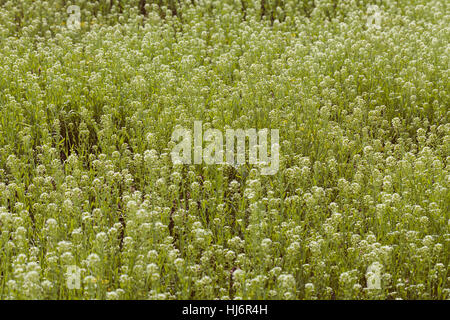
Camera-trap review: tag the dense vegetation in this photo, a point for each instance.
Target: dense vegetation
(86, 178)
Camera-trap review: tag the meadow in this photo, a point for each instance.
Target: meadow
(93, 207)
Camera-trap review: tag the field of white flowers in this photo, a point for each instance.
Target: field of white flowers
(92, 206)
